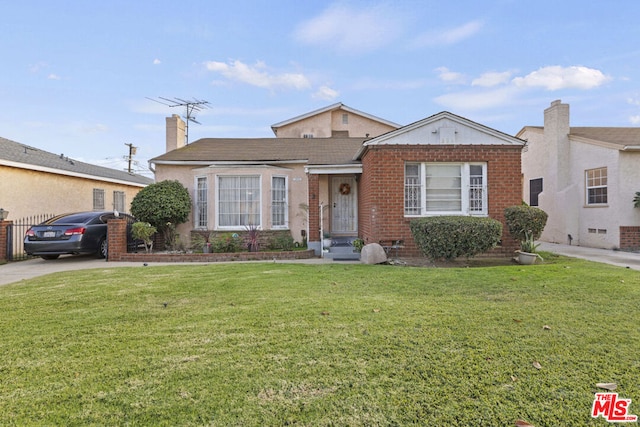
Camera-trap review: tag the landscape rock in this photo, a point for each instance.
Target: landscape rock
(373, 253)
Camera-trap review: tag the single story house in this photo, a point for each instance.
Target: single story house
(348, 173)
(585, 178)
(36, 182)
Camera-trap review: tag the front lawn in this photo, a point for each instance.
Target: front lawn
(292, 344)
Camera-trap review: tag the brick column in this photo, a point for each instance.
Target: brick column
(116, 239)
(4, 237)
(314, 208)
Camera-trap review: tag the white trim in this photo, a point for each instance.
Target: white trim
(333, 169)
(217, 201)
(286, 203)
(465, 176)
(332, 107)
(69, 173)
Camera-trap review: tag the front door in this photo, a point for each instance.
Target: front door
(344, 207)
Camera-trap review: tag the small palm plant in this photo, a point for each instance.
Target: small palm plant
(253, 233)
(528, 244)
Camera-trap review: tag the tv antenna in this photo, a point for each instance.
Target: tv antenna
(191, 107)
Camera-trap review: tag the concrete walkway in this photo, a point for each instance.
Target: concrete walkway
(607, 256)
(17, 271)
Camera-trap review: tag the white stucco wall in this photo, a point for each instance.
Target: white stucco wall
(297, 192)
(592, 226)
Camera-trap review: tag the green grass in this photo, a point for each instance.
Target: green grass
(292, 344)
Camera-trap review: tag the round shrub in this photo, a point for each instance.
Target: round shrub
(450, 237)
(525, 222)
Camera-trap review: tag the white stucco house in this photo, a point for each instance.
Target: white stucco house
(585, 178)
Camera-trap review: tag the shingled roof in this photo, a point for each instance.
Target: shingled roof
(314, 151)
(621, 138)
(20, 155)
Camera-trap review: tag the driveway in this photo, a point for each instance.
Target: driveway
(17, 271)
(620, 258)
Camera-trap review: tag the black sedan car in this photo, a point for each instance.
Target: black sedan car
(74, 233)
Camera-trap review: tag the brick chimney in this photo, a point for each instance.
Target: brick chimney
(175, 133)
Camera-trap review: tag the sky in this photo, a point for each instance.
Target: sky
(81, 78)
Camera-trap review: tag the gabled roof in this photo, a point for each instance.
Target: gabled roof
(617, 138)
(15, 154)
(492, 136)
(337, 106)
(313, 151)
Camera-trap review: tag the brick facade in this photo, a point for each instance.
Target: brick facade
(630, 237)
(117, 244)
(4, 237)
(381, 187)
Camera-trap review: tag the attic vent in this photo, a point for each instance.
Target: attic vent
(307, 135)
(447, 135)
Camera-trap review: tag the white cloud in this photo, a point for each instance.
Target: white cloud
(465, 101)
(326, 93)
(95, 128)
(53, 77)
(351, 29)
(635, 120)
(448, 36)
(492, 79)
(368, 83)
(449, 76)
(257, 75)
(633, 101)
(556, 77)
(156, 61)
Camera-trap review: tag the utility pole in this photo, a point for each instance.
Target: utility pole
(132, 152)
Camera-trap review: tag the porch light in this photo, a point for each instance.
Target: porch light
(3, 214)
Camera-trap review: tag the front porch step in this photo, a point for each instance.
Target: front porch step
(342, 249)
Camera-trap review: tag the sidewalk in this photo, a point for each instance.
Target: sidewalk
(607, 256)
(17, 271)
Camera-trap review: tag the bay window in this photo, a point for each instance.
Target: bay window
(445, 189)
(239, 201)
(201, 211)
(279, 209)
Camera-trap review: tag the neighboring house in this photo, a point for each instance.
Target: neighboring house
(345, 172)
(35, 182)
(585, 178)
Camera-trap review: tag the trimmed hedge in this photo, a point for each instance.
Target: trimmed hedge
(521, 219)
(449, 237)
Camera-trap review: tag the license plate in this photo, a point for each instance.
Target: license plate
(49, 234)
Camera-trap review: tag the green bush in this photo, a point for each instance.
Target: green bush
(450, 237)
(144, 231)
(164, 205)
(283, 242)
(226, 242)
(523, 220)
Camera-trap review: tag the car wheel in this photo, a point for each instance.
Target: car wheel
(102, 248)
(49, 257)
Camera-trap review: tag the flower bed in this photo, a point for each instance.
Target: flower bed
(212, 257)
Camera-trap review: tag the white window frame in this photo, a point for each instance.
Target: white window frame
(596, 186)
(119, 201)
(465, 190)
(98, 199)
(284, 204)
(240, 226)
(201, 202)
